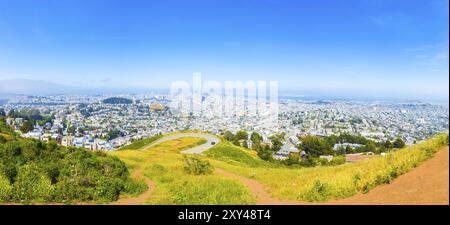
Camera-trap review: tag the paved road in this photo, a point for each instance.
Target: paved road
(195, 150)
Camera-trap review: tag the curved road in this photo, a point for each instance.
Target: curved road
(211, 141)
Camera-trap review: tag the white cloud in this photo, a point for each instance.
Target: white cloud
(432, 55)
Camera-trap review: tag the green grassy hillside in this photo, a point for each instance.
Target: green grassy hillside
(164, 165)
(141, 143)
(234, 155)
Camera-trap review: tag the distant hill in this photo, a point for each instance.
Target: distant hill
(33, 87)
(13, 87)
(116, 100)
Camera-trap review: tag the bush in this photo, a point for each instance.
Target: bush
(2, 139)
(318, 192)
(9, 171)
(5, 189)
(308, 162)
(337, 160)
(69, 190)
(292, 159)
(197, 166)
(108, 189)
(135, 187)
(315, 146)
(31, 184)
(321, 162)
(264, 152)
(34, 171)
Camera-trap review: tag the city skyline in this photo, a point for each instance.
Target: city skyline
(380, 49)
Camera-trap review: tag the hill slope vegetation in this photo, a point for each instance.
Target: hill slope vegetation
(34, 171)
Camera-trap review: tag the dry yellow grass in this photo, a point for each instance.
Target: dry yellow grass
(164, 165)
(326, 183)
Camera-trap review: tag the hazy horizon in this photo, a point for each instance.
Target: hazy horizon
(45, 88)
(363, 49)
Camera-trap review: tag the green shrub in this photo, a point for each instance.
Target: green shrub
(318, 192)
(8, 170)
(356, 179)
(2, 139)
(46, 172)
(308, 162)
(337, 160)
(197, 166)
(5, 189)
(135, 188)
(108, 189)
(69, 190)
(32, 184)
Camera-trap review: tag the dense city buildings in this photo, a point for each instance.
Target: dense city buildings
(105, 123)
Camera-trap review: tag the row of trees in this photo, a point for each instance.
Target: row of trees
(316, 146)
(313, 146)
(31, 117)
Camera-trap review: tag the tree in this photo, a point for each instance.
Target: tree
(315, 146)
(71, 130)
(228, 136)
(264, 152)
(2, 113)
(12, 113)
(255, 138)
(241, 135)
(399, 143)
(245, 144)
(117, 100)
(114, 133)
(293, 158)
(237, 142)
(276, 142)
(387, 144)
(256, 146)
(27, 126)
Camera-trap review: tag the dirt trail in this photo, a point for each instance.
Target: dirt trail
(424, 185)
(427, 184)
(139, 200)
(262, 196)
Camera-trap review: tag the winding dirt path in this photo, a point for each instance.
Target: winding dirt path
(262, 196)
(139, 200)
(427, 184)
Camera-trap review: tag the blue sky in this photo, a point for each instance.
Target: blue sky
(379, 48)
